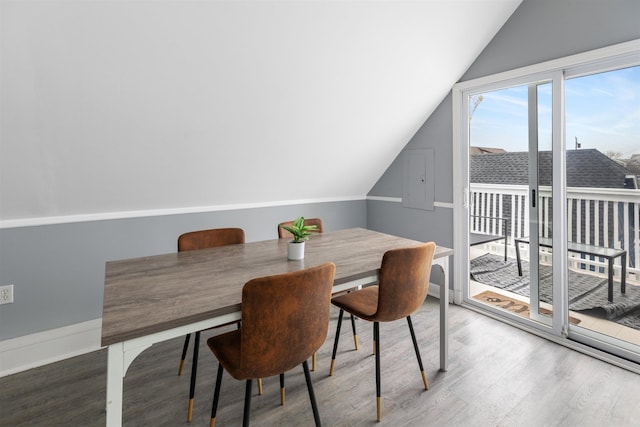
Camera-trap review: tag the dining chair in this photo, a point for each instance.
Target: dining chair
(285, 319)
(402, 288)
(284, 234)
(195, 240)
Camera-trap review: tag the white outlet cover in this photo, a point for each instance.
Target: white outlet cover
(6, 294)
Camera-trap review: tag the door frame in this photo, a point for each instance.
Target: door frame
(598, 60)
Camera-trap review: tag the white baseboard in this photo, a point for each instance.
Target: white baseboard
(30, 351)
(434, 291)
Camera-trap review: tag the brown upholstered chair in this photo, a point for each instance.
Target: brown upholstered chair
(284, 320)
(194, 240)
(401, 290)
(284, 234)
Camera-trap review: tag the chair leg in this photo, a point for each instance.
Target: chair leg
(335, 342)
(313, 362)
(312, 396)
(259, 386)
(185, 347)
(216, 396)
(415, 347)
(281, 389)
(355, 335)
(247, 404)
(374, 341)
(376, 334)
(194, 372)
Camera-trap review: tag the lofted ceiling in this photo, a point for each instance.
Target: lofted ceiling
(124, 106)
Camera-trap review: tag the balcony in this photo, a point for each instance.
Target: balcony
(596, 216)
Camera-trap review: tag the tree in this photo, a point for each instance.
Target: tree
(475, 101)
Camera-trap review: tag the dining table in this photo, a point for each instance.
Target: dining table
(152, 299)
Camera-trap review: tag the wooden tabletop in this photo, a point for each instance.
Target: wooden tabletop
(153, 294)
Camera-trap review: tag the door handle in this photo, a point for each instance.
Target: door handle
(533, 198)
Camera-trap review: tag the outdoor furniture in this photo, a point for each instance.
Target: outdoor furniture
(481, 238)
(600, 251)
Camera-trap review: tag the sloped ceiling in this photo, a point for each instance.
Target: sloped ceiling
(112, 106)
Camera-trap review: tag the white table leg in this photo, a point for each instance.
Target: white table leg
(121, 355)
(115, 376)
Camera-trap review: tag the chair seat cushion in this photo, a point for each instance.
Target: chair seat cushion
(362, 303)
(226, 347)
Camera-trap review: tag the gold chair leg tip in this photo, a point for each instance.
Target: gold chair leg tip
(190, 411)
(379, 408)
(424, 380)
(180, 367)
(331, 367)
(212, 423)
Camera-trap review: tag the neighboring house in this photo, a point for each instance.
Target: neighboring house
(485, 150)
(633, 164)
(585, 168)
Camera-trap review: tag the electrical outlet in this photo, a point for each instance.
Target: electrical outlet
(6, 294)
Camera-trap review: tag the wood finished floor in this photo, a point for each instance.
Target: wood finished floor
(498, 376)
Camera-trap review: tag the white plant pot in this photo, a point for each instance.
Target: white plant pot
(295, 251)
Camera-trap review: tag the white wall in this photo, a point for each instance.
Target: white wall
(112, 106)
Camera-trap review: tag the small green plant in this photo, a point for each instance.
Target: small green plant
(300, 231)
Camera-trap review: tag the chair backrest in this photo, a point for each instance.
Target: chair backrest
(284, 234)
(404, 281)
(210, 238)
(284, 319)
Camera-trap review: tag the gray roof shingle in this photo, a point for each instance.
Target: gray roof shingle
(585, 168)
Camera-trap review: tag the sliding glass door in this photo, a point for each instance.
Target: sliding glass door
(550, 211)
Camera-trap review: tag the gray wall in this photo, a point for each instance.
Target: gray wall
(392, 217)
(58, 270)
(538, 31)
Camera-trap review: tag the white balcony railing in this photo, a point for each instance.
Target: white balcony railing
(597, 216)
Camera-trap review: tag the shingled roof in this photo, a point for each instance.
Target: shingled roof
(585, 168)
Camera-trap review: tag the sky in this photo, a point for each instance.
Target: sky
(602, 112)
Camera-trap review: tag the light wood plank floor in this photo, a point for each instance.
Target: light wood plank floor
(498, 376)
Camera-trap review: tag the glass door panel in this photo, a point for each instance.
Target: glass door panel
(603, 203)
(509, 192)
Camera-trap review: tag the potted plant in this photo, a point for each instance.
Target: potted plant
(300, 232)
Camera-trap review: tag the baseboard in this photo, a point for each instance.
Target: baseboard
(30, 351)
(434, 291)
